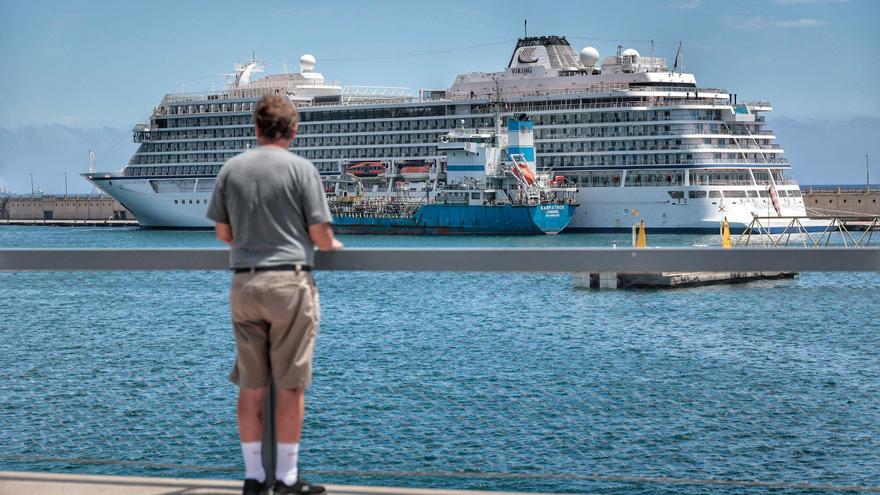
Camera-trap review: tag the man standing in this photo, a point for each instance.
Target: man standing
(269, 206)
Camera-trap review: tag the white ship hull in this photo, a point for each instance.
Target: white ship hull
(602, 209)
(616, 209)
(181, 210)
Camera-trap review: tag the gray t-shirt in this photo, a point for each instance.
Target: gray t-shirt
(269, 196)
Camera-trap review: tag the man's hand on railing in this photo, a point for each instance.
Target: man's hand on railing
(335, 246)
(322, 237)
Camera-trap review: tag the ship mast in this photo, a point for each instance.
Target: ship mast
(498, 108)
(92, 169)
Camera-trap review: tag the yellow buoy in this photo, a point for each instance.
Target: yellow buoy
(725, 233)
(640, 240)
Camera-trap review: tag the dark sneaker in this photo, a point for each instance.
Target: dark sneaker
(301, 487)
(253, 487)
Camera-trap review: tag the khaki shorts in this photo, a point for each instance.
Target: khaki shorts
(275, 318)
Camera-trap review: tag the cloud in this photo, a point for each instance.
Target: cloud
(686, 4)
(756, 22)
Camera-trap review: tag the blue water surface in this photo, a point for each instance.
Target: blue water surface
(520, 373)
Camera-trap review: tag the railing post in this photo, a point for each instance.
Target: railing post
(270, 446)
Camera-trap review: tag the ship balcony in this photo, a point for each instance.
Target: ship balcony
(141, 133)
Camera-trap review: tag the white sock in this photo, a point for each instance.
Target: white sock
(253, 461)
(285, 469)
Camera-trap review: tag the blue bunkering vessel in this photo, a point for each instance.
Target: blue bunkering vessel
(489, 185)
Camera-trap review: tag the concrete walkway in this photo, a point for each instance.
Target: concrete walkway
(30, 483)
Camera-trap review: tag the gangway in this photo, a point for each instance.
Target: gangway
(846, 227)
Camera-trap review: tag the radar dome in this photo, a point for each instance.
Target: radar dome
(307, 63)
(589, 56)
(630, 52)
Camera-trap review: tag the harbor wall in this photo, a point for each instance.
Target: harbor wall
(842, 201)
(72, 207)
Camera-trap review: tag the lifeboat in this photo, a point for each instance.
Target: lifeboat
(367, 169)
(415, 172)
(523, 172)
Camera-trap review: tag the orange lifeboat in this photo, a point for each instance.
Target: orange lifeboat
(522, 171)
(415, 172)
(367, 169)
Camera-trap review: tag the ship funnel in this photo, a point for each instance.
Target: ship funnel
(521, 139)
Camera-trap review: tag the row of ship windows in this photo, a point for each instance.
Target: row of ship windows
(652, 159)
(454, 121)
(365, 113)
(675, 148)
(319, 154)
(197, 170)
(231, 106)
(347, 127)
(240, 144)
(604, 146)
(545, 161)
(699, 177)
(646, 130)
(736, 194)
(385, 136)
(424, 139)
(431, 110)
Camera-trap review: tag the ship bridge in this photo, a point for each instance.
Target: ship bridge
(541, 65)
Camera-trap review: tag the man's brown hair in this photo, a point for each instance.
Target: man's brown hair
(276, 117)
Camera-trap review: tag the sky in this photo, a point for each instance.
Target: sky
(81, 74)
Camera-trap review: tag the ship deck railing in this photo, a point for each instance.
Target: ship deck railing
(349, 99)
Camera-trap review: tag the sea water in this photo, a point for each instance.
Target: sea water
(452, 372)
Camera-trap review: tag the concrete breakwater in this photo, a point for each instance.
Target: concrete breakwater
(63, 208)
(842, 201)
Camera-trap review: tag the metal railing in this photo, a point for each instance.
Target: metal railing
(564, 260)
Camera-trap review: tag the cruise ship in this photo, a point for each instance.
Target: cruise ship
(639, 139)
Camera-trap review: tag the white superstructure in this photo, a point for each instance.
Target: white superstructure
(639, 140)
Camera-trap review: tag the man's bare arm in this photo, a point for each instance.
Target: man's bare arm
(224, 232)
(321, 235)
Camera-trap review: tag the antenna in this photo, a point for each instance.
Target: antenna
(678, 59)
(652, 48)
(92, 169)
(525, 28)
(867, 175)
